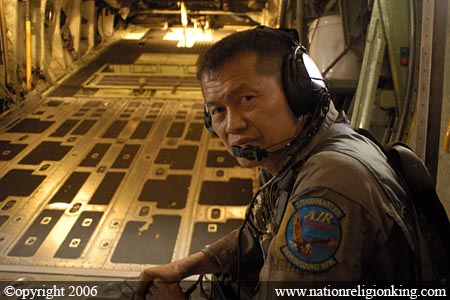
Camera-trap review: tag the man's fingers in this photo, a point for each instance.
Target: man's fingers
(145, 280)
(157, 282)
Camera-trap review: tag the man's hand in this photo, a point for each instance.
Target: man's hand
(164, 275)
(162, 290)
(171, 274)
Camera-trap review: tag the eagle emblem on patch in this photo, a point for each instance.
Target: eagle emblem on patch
(313, 234)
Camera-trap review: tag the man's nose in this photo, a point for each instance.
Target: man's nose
(236, 122)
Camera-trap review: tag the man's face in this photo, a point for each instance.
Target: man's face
(248, 108)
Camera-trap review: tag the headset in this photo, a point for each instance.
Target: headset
(303, 84)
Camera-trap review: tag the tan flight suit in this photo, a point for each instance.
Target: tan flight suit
(338, 225)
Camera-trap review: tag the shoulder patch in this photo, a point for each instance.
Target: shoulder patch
(313, 234)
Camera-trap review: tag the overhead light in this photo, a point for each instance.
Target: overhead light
(187, 37)
(184, 18)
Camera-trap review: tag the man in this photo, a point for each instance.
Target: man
(320, 215)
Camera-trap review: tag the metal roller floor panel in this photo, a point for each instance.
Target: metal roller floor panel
(115, 178)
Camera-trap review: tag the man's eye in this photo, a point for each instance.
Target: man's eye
(216, 110)
(247, 97)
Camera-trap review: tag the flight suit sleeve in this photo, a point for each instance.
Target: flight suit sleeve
(224, 252)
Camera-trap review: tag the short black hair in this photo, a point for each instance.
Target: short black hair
(270, 45)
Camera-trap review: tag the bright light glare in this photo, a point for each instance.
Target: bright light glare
(135, 35)
(187, 37)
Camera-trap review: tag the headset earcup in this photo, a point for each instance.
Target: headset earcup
(303, 94)
(288, 78)
(208, 121)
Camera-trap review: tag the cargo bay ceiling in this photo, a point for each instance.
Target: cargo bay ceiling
(53, 37)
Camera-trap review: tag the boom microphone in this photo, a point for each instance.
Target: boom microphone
(250, 152)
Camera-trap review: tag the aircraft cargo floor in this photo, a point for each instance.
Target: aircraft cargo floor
(112, 170)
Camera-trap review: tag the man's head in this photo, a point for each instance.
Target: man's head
(280, 55)
(244, 83)
(269, 45)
